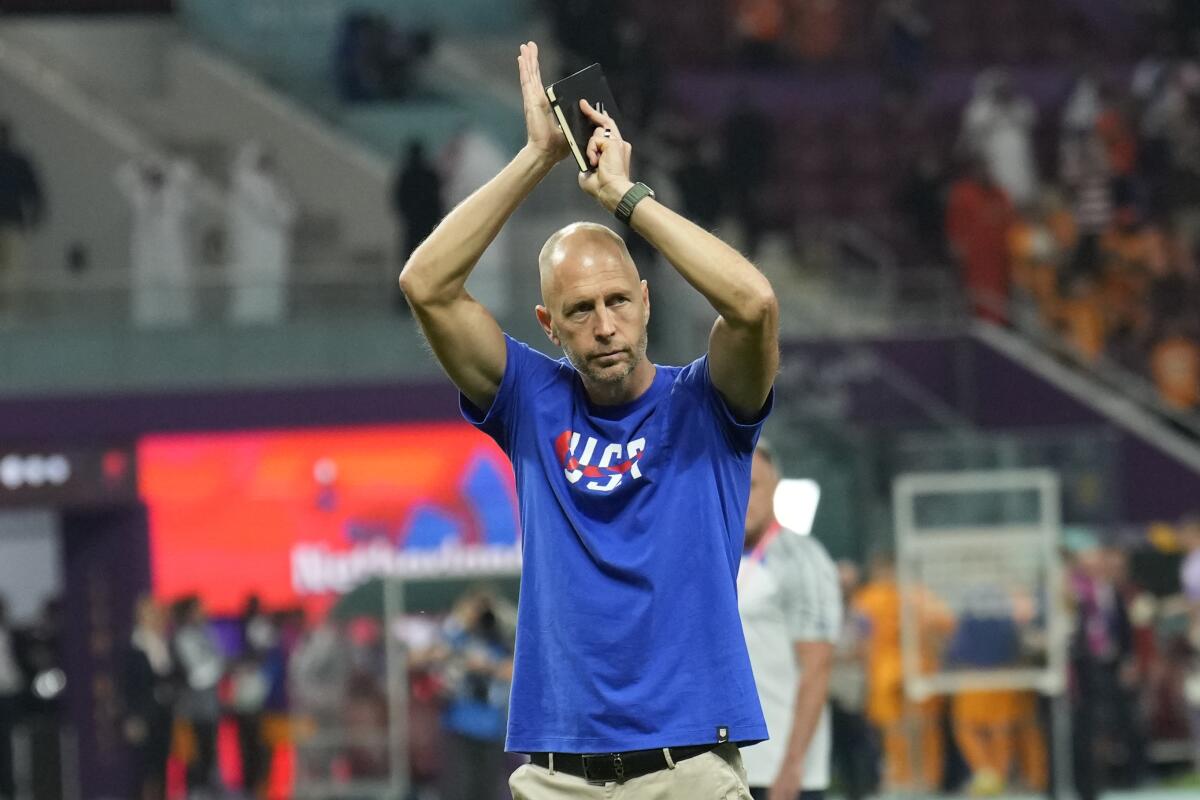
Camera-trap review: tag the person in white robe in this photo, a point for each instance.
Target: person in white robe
(161, 197)
(262, 213)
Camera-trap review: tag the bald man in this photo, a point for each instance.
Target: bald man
(631, 676)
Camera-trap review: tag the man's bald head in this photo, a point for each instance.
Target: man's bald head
(573, 251)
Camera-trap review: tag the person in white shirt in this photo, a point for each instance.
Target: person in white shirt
(261, 215)
(161, 198)
(791, 609)
(998, 127)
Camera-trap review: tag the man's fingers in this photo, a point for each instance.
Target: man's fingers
(600, 118)
(596, 145)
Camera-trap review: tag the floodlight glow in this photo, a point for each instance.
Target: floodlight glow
(796, 503)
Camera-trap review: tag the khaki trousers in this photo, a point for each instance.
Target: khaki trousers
(716, 775)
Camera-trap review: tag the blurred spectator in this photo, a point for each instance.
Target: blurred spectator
(251, 687)
(477, 672)
(699, 180)
(998, 128)
(854, 752)
(261, 215)
(1040, 241)
(161, 198)
(978, 219)
(1082, 108)
(921, 198)
(815, 28)
(1088, 181)
(1120, 146)
(991, 727)
(913, 745)
(1133, 253)
(416, 200)
(1081, 318)
(471, 159)
(21, 210)
(374, 60)
(319, 675)
(150, 687)
(200, 659)
(12, 685)
(1189, 579)
(791, 609)
(747, 154)
(1107, 747)
(41, 659)
(1175, 367)
(904, 30)
(759, 26)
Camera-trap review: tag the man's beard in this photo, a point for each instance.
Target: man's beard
(594, 374)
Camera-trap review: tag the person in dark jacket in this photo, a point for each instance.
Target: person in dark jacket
(21, 210)
(149, 687)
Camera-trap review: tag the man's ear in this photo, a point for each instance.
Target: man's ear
(543, 318)
(646, 296)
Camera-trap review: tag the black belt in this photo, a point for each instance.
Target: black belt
(619, 767)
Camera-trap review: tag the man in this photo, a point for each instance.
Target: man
(910, 730)
(161, 199)
(416, 200)
(631, 677)
(979, 217)
(21, 210)
(12, 684)
(261, 215)
(1189, 579)
(791, 611)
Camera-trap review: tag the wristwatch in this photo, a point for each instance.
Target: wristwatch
(636, 194)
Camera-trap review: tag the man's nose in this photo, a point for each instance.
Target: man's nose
(606, 323)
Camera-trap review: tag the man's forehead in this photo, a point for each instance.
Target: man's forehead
(584, 262)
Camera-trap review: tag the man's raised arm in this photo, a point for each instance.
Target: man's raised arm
(743, 349)
(463, 334)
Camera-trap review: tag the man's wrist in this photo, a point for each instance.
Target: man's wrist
(610, 195)
(538, 160)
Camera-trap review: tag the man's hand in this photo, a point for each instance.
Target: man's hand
(787, 783)
(545, 137)
(608, 154)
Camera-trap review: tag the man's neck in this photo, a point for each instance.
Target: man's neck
(628, 390)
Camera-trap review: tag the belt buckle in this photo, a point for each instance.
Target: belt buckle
(618, 767)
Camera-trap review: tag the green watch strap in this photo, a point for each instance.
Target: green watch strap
(636, 194)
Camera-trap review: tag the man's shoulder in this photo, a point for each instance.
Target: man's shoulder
(534, 359)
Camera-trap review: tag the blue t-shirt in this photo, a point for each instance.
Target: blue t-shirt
(628, 633)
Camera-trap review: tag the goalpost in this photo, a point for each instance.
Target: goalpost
(980, 577)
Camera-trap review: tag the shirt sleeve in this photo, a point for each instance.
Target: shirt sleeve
(524, 371)
(812, 596)
(742, 435)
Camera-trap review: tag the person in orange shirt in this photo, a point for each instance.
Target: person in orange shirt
(1081, 319)
(1040, 241)
(1175, 366)
(900, 721)
(989, 726)
(1133, 253)
(978, 218)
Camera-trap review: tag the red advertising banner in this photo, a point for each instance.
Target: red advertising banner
(301, 516)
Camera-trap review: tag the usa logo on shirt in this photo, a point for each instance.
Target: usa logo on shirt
(606, 464)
